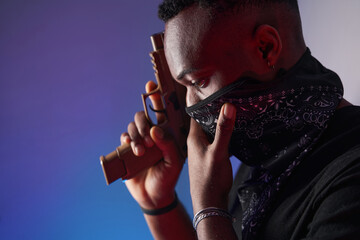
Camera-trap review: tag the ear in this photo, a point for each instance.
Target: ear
(268, 42)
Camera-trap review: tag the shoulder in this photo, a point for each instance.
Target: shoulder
(336, 206)
(340, 137)
(335, 162)
(342, 172)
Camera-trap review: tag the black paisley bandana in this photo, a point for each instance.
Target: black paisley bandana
(276, 125)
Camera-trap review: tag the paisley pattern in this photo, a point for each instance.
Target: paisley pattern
(275, 128)
(294, 115)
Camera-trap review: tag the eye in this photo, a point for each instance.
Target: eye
(199, 84)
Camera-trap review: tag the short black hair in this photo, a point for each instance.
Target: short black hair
(170, 8)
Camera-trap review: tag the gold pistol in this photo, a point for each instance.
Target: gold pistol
(122, 163)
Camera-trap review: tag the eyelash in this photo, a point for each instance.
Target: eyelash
(199, 84)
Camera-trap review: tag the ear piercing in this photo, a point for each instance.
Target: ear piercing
(272, 67)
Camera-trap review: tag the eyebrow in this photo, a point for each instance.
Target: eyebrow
(182, 74)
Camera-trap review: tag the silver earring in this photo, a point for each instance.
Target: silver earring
(270, 66)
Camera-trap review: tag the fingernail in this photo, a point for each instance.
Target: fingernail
(159, 133)
(229, 111)
(148, 141)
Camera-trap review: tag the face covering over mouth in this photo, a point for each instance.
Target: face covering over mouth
(273, 120)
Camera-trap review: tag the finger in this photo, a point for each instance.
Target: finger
(143, 128)
(136, 140)
(125, 138)
(197, 136)
(224, 127)
(156, 101)
(166, 144)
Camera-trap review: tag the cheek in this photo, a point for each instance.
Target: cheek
(217, 81)
(191, 97)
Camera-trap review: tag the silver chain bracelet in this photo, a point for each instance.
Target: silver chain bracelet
(210, 212)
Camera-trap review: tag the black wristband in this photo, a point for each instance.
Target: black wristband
(163, 210)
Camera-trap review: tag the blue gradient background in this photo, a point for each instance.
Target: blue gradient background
(71, 75)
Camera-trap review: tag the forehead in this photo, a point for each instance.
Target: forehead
(187, 33)
(196, 39)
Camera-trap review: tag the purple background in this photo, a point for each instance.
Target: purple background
(71, 75)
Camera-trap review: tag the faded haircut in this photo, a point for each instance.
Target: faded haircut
(170, 8)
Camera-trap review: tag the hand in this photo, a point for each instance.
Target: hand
(210, 170)
(153, 188)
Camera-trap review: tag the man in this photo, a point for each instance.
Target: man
(255, 92)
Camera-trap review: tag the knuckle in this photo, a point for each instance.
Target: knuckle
(131, 127)
(143, 131)
(133, 132)
(142, 123)
(123, 135)
(139, 115)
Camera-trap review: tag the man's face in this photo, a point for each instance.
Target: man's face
(205, 55)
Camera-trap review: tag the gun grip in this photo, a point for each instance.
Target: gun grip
(122, 163)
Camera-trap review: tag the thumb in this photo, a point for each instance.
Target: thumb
(225, 126)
